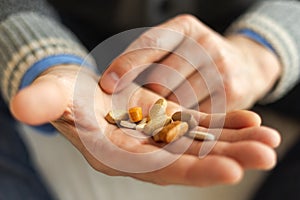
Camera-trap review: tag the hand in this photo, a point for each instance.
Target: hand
(240, 73)
(71, 99)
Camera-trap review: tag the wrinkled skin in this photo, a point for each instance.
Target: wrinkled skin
(60, 97)
(233, 68)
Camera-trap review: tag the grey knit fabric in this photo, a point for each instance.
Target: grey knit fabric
(278, 23)
(10, 7)
(27, 38)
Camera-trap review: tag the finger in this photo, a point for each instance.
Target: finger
(220, 100)
(134, 95)
(167, 75)
(264, 135)
(151, 47)
(43, 101)
(239, 119)
(145, 98)
(185, 169)
(249, 154)
(190, 92)
(190, 170)
(235, 119)
(183, 61)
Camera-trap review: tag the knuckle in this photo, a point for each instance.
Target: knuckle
(223, 57)
(224, 62)
(186, 18)
(149, 40)
(187, 22)
(208, 41)
(232, 91)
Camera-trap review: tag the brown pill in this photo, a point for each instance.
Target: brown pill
(171, 132)
(185, 117)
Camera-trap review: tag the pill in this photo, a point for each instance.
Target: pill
(158, 108)
(171, 132)
(140, 126)
(185, 117)
(156, 137)
(156, 123)
(135, 114)
(199, 135)
(128, 124)
(115, 116)
(162, 102)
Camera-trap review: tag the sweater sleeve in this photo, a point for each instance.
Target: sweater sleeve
(29, 34)
(277, 23)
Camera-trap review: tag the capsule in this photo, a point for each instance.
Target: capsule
(135, 114)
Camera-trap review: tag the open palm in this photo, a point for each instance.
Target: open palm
(72, 101)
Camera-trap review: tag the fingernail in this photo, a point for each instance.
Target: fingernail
(114, 76)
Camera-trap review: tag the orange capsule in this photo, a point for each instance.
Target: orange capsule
(135, 114)
(171, 132)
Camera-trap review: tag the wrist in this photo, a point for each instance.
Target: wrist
(48, 62)
(262, 58)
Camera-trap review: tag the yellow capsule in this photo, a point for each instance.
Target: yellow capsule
(135, 114)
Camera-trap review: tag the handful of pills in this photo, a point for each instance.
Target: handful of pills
(161, 127)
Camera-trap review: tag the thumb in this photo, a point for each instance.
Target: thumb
(43, 101)
(122, 72)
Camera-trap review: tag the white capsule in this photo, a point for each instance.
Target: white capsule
(140, 126)
(199, 135)
(158, 109)
(156, 123)
(128, 124)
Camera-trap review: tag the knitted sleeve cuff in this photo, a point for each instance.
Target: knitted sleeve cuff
(256, 37)
(40, 66)
(28, 38)
(37, 68)
(275, 23)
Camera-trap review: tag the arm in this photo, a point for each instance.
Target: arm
(249, 70)
(276, 23)
(74, 92)
(69, 97)
(32, 38)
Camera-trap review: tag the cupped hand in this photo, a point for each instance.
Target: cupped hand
(186, 59)
(71, 100)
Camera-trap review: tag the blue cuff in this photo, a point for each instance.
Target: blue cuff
(39, 67)
(256, 37)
